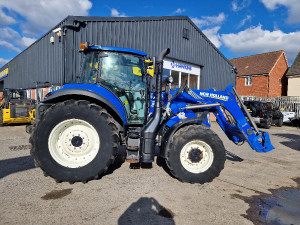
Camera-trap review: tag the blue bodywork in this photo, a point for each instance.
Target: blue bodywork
(101, 91)
(238, 133)
(175, 111)
(117, 49)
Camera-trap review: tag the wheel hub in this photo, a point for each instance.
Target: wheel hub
(77, 141)
(195, 155)
(73, 143)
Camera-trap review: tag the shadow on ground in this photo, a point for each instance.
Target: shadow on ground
(14, 165)
(146, 211)
(292, 140)
(233, 157)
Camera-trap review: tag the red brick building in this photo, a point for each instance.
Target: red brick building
(262, 75)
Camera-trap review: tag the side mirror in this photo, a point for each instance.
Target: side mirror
(169, 80)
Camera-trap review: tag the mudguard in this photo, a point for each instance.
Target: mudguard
(171, 131)
(91, 91)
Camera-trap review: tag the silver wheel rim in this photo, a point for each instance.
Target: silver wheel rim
(73, 143)
(207, 156)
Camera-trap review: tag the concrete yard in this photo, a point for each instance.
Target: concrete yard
(150, 196)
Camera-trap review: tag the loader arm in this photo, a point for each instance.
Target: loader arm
(228, 109)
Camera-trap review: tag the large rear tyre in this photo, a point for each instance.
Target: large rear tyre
(75, 141)
(196, 154)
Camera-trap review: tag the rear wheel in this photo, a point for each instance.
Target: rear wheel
(195, 155)
(75, 141)
(280, 122)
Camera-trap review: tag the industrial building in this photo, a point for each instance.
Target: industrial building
(55, 57)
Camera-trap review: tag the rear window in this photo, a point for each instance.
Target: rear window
(267, 106)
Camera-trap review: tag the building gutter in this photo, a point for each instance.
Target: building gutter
(254, 75)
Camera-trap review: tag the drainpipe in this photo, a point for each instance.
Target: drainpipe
(268, 85)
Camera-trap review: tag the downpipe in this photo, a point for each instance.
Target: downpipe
(149, 132)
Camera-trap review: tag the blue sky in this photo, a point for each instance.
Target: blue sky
(237, 27)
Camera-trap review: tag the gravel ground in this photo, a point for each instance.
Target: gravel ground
(143, 196)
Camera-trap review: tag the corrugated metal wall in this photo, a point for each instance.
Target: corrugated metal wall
(43, 61)
(152, 35)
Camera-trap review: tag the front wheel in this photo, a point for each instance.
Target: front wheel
(75, 141)
(196, 154)
(268, 123)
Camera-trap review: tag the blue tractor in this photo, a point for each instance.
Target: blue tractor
(80, 127)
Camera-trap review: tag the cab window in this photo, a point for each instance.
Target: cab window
(89, 70)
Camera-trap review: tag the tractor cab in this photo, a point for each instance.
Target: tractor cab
(121, 71)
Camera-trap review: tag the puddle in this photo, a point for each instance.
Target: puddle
(279, 208)
(57, 194)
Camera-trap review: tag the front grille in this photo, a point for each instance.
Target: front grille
(19, 112)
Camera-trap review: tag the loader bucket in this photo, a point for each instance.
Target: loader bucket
(264, 142)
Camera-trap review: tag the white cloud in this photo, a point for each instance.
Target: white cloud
(237, 5)
(5, 19)
(209, 20)
(40, 15)
(9, 35)
(257, 40)
(28, 41)
(116, 13)
(3, 61)
(213, 36)
(212, 27)
(9, 45)
(242, 23)
(293, 7)
(179, 11)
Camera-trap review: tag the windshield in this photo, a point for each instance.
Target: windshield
(123, 71)
(18, 94)
(123, 74)
(89, 69)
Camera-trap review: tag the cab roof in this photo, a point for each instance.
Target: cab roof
(117, 49)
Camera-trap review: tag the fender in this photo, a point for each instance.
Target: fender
(95, 92)
(167, 137)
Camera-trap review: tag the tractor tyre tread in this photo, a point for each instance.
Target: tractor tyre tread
(66, 106)
(183, 136)
(1, 118)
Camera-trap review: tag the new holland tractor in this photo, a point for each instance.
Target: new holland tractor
(80, 127)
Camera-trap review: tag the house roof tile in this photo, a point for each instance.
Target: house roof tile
(295, 68)
(256, 64)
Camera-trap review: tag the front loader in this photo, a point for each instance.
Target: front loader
(80, 127)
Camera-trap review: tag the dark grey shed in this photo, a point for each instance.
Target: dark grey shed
(59, 62)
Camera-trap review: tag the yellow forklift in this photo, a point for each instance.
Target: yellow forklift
(16, 108)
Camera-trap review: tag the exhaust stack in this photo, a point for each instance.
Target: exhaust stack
(150, 130)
